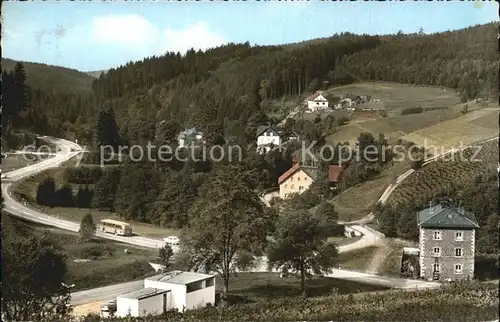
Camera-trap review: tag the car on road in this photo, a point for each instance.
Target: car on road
(108, 309)
(172, 240)
(4, 176)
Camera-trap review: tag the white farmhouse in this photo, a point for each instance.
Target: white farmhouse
(317, 102)
(269, 137)
(172, 290)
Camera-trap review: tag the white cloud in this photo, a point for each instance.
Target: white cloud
(197, 36)
(140, 35)
(125, 29)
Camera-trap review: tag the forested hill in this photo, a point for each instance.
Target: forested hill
(56, 78)
(235, 81)
(228, 88)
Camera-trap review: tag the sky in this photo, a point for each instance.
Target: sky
(98, 35)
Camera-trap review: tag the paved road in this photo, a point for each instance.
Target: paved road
(19, 209)
(370, 237)
(105, 293)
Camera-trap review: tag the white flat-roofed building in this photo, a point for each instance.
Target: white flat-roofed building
(143, 302)
(188, 290)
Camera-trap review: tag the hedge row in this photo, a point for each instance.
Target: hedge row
(451, 303)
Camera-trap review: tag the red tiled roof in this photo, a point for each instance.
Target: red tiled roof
(313, 96)
(334, 173)
(288, 173)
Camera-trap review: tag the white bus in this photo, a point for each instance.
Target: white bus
(115, 227)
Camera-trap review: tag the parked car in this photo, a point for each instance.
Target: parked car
(172, 240)
(108, 309)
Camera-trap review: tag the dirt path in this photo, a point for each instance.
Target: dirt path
(379, 257)
(86, 309)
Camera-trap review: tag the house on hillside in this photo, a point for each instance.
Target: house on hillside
(317, 102)
(334, 175)
(446, 243)
(173, 290)
(269, 137)
(189, 136)
(300, 177)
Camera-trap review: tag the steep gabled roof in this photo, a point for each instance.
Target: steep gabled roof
(310, 171)
(288, 173)
(262, 128)
(446, 217)
(314, 96)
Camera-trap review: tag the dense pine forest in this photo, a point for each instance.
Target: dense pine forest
(226, 93)
(229, 87)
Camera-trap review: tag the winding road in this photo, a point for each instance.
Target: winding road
(69, 150)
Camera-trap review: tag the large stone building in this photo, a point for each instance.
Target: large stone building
(446, 240)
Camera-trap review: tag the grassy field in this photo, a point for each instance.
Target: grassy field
(99, 262)
(356, 202)
(474, 126)
(395, 96)
(27, 188)
(394, 127)
(257, 286)
(357, 260)
(427, 181)
(76, 214)
(17, 161)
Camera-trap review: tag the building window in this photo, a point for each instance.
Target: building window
(436, 251)
(437, 235)
(301, 188)
(437, 268)
(458, 269)
(317, 103)
(458, 252)
(459, 236)
(292, 186)
(286, 186)
(298, 179)
(291, 179)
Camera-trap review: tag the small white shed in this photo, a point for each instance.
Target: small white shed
(143, 302)
(188, 290)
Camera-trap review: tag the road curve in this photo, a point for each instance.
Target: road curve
(68, 150)
(370, 236)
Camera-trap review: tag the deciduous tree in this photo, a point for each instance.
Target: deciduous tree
(227, 219)
(87, 227)
(301, 244)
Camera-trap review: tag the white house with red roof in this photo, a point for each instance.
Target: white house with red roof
(317, 102)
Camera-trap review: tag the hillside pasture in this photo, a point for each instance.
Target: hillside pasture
(440, 124)
(395, 96)
(393, 127)
(472, 127)
(424, 183)
(357, 201)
